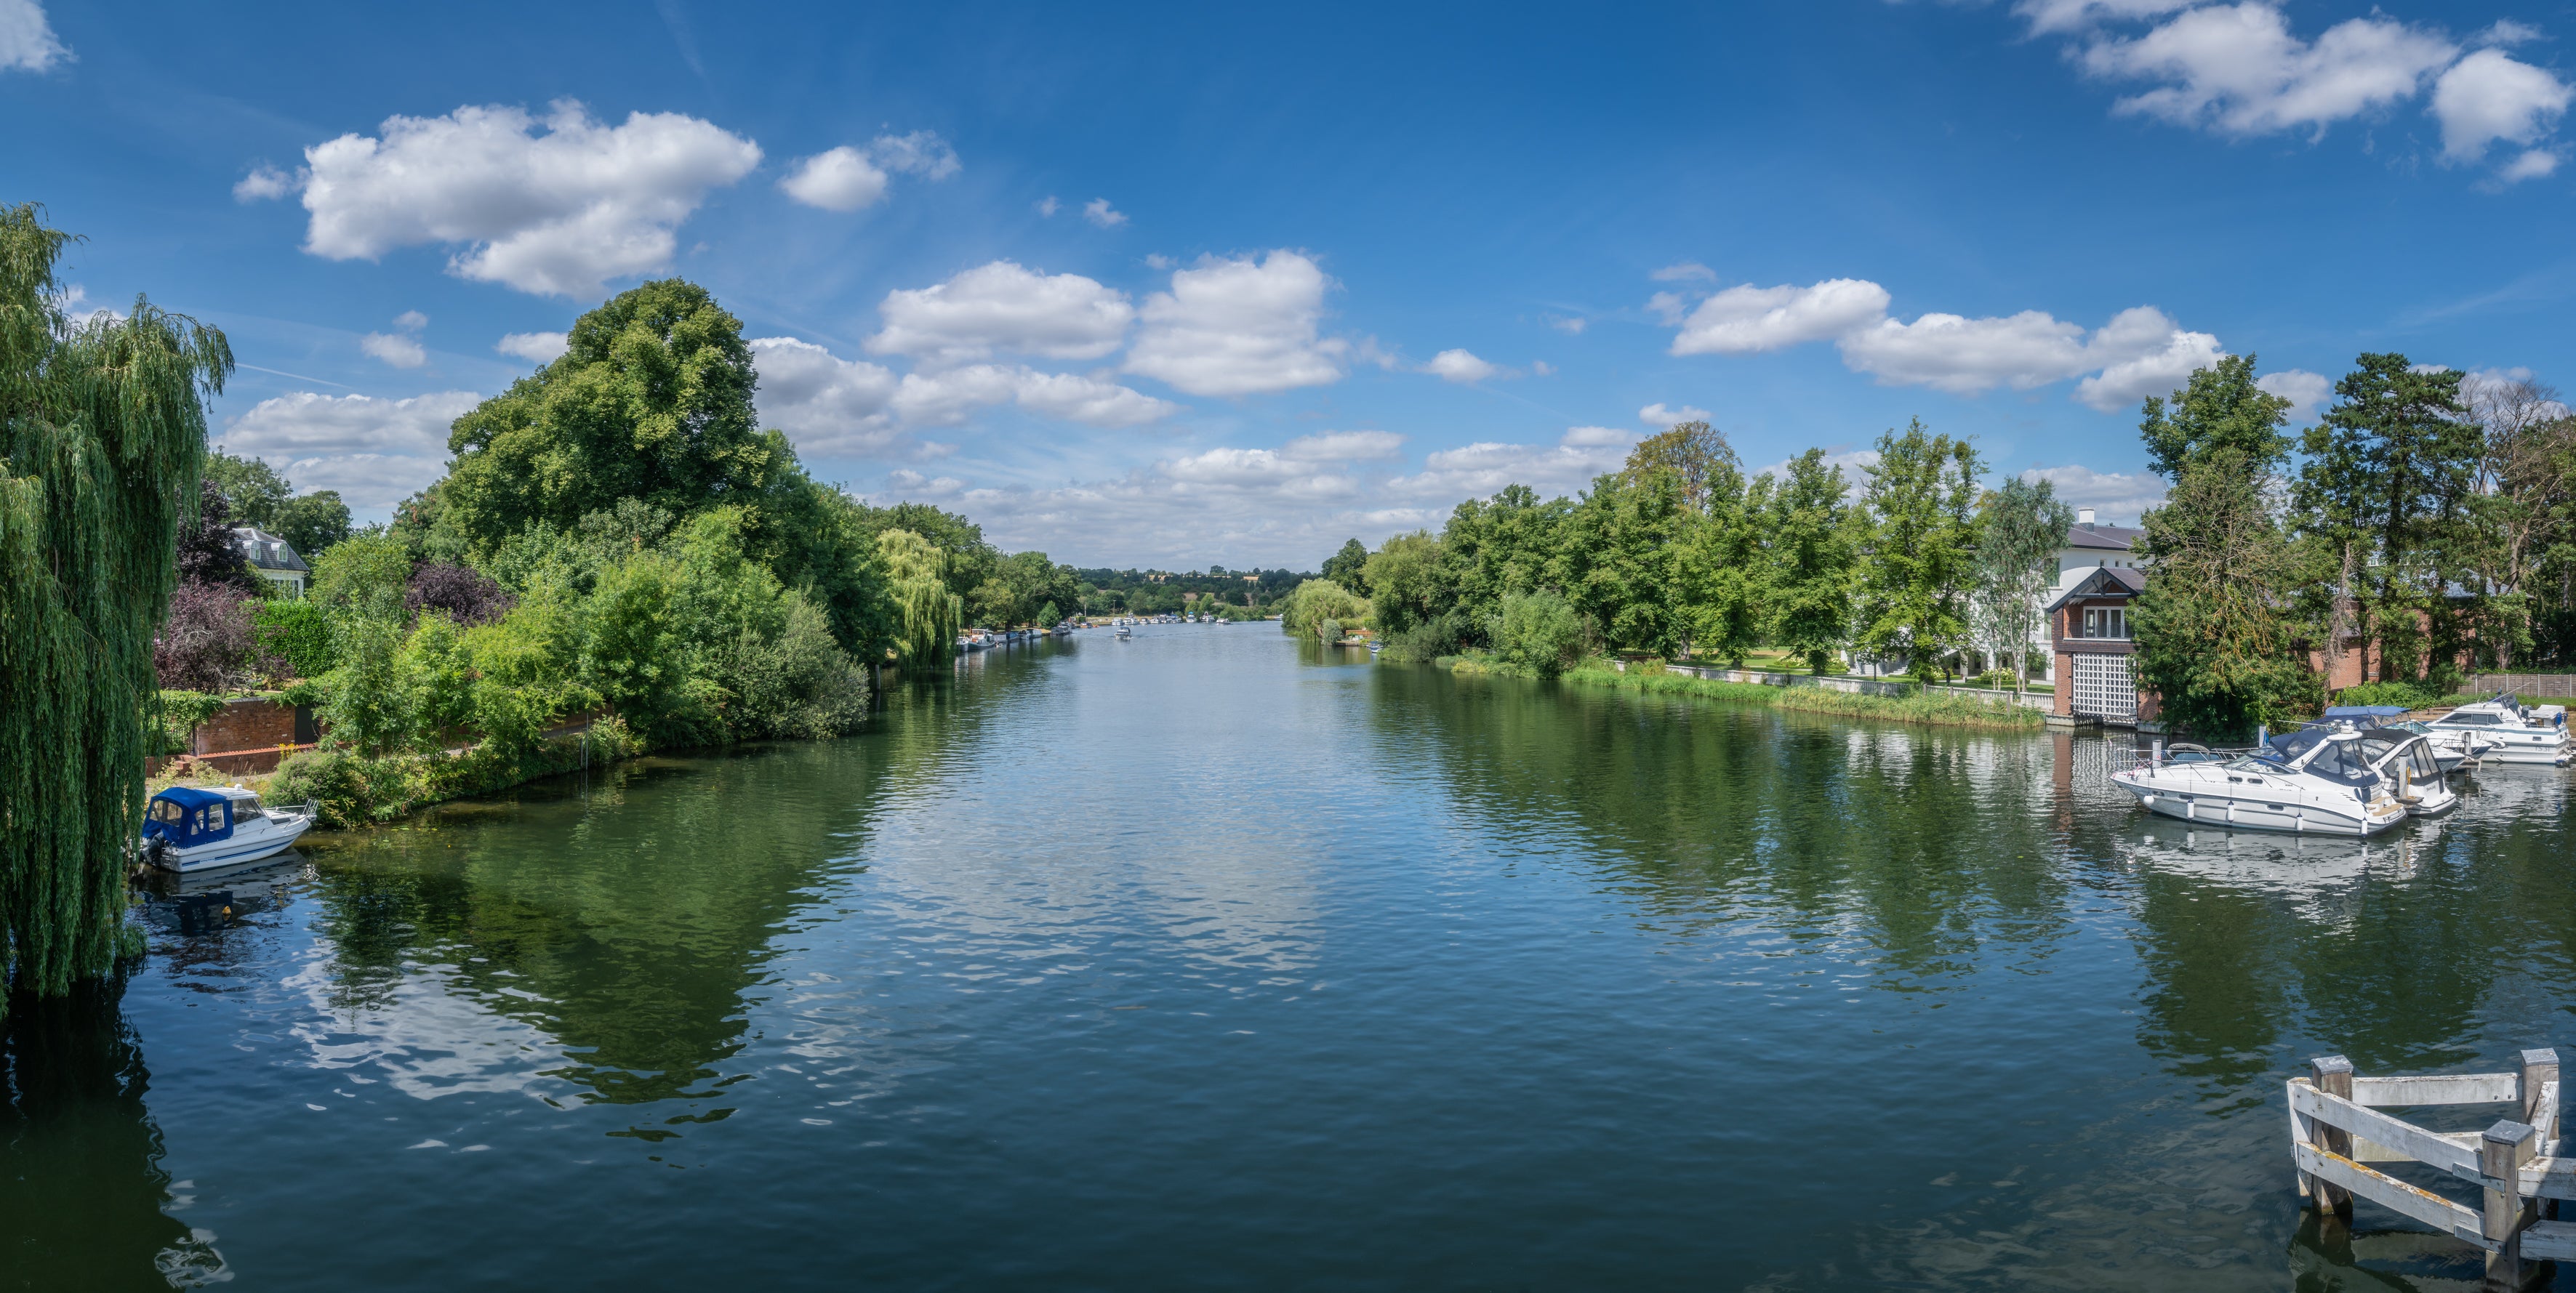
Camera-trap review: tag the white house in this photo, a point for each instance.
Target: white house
(2090, 546)
(274, 558)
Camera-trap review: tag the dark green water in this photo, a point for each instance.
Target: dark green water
(1202, 960)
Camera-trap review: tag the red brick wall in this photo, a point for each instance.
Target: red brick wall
(246, 724)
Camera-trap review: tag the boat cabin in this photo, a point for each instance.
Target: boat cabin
(187, 816)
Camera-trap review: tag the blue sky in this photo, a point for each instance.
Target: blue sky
(1172, 285)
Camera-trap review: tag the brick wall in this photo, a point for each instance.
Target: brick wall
(246, 724)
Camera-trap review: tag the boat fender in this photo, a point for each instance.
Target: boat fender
(2146, 801)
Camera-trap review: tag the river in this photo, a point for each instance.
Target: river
(1209, 959)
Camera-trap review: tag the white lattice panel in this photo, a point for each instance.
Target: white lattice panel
(2105, 688)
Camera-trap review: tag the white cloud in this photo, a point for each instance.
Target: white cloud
(27, 41)
(1460, 366)
(826, 405)
(1571, 325)
(1344, 446)
(555, 206)
(1099, 212)
(1261, 470)
(2305, 390)
(1002, 307)
(535, 347)
(1950, 352)
(2143, 353)
(411, 320)
(949, 396)
(2237, 69)
(1481, 469)
(375, 451)
(1239, 327)
(921, 153)
(2531, 165)
(2505, 31)
(2116, 497)
(394, 349)
(1048, 206)
(263, 182)
(1746, 319)
(2047, 16)
(1684, 272)
(1542, 368)
(2489, 96)
(1663, 418)
(836, 179)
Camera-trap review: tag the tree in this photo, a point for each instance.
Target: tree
(1922, 499)
(1540, 632)
(1493, 548)
(1814, 536)
(928, 617)
(312, 523)
(2219, 410)
(2389, 472)
(2025, 526)
(2520, 499)
(1317, 601)
(1405, 575)
(1617, 563)
(102, 437)
(1694, 452)
(1724, 566)
(253, 489)
(651, 401)
(1349, 567)
(208, 642)
(207, 551)
(2215, 635)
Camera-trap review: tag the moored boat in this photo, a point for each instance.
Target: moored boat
(2318, 781)
(190, 828)
(2519, 734)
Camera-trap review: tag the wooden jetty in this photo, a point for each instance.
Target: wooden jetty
(2336, 1127)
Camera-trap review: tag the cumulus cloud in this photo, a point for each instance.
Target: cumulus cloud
(2116, 497)
(2143, 353)
(1484, 468)
(2489, 97)
(1344, 446)
(411, 320)
(394, 349)
(836, 179)
(1239, 327)
(2238, 69)
(555, 205)
(2306, 391)
(374, 451)
(949, 396)
(1661, 417)
(825, 404)
(1002, 307)
(1950, 352)
(1571, 324)
(27, 41)
(1460, 366)
(2046, 16)
(535, 347)
(1089, 400)
(1747, 319)
(921, 153)
(1048, 206)
(1099, 212)
(263, 182)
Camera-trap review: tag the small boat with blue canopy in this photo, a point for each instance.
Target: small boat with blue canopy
(194, 828)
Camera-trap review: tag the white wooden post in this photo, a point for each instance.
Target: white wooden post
(2502, 1151)
(2538, 1089)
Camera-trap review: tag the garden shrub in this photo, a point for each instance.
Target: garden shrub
(297, 633)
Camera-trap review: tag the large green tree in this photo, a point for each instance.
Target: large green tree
(1349, 567)
(1815, 536)
(2220, 409)
(102, 441)
(2216, 639)
(1694, 452)
(1723, 565)
(2384, 492)
(1922, 501)
(1618, 561)
(2025, 527)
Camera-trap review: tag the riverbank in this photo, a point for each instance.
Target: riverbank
(1927, 707)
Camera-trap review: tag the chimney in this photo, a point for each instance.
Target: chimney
(2084, 517)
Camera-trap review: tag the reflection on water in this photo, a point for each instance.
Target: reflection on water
(1143, 964)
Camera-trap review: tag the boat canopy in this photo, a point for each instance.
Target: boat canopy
(2363, 711)
(187, 816)
(2333, 761)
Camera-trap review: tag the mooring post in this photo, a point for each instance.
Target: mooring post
(2332, 1075)
(2539, 1070)
(2502, 1151)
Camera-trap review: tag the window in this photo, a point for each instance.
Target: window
(165, 811)
(2106, 622)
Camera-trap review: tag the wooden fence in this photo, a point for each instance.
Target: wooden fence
(2526, 684)
(2336, 1126)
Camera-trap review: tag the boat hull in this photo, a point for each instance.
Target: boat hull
(2201, 808)
(237, 851)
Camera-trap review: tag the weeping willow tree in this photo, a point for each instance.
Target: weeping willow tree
(102, 432)
(928, 616)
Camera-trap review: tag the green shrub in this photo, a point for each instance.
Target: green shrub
(296, 632)
(1426, 642)
(2408, 694)
(349, 788)
(1316, 601)
(1539, 632)
(1997, 679)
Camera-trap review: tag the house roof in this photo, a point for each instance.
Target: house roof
(2103, 581)
(2112, 538)
(266, 550)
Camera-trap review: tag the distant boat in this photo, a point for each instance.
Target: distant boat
(1125, 632)
(186, 828)
(2520, 735)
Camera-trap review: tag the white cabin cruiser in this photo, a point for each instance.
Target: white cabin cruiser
(2452, 750)
(189, 828)
(2520, 735)
(2409, 768)
(2318, 781)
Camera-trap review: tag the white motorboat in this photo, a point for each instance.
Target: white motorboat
(2519, 734)
(2408, 768)
(1125, 632)
(2319, 781)
(2452, 750)
(190, 828)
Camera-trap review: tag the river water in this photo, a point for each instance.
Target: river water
(1209, 959)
